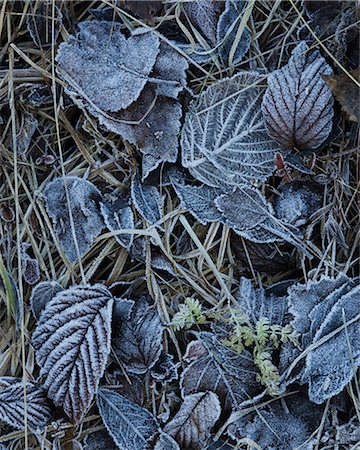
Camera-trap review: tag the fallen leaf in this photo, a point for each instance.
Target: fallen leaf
(72, 344)
(41, 294)
(298, 105)
(147, 200)
(346, 92)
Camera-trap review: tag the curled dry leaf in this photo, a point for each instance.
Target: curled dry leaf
(41, 294)
(72, 344)
(84, 199)
(137, 342)
(130, 425)
(192, 424)
(147, 200)
(298, 105)
(224, 141)
(347, 92)
(12, 407)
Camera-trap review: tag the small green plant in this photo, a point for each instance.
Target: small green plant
(264, 339)
(190, 313)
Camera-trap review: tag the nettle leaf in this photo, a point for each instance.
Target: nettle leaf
(166, 442)
(119, 216)
(297, 201)
(41, 22)
(72, 344)
(107, 68)
(147, 200)
(41, 294)
(192, 424)
(298, 105)
(84, 200)
(99, 440)
(199, 200)
(212, 370)
(224, 141)
(282, 425)
(256, 303)
(227, 28)
(12, 407)
(138, 341)
(130, 425)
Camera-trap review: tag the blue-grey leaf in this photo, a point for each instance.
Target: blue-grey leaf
(137, 342)
(119, 216)
(105, 67)
(213, 370)
(298, 105)
(192, 424)
(166, 442)
(147, 200)
(130, 425)
(13, 407)
(280, 426)
(224, 141)
(72, 345)
(227, 28)
(41, 294)
(84, 200)
(200, 201)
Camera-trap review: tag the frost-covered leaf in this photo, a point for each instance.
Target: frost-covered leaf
(137, 102)
(346, 92)
(99, 440)
(166, 442)
(130, 387)
(130, 425)
(326, 314)
(12, 406)
(30, 269)
(103, 66)
(257, 304)
(212, 370)
(165, 369)
(41, 294)
(192, 424)
(171, 67)
(297, 202)
(333, 364)
(153, 124)
(138, 341)
(298, 105)
(250, 215)
(43, 25)
(147, 200)
(72, 344)
(227, 29)
(280, 426)
(203, 14)
(84, 200)
(224, 141)
(199, 200)
(119, 216)
(25, 133)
